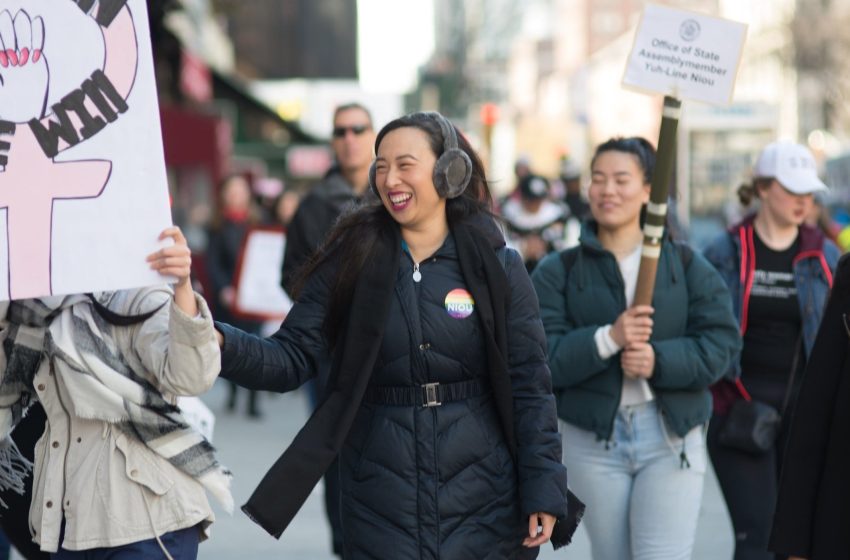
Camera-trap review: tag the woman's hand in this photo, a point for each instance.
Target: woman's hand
(638, 360)
(536, 535)
(176, 261)
(633, 325)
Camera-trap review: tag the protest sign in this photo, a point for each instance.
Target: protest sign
(83, 190)
(259, 295)
(685, 54)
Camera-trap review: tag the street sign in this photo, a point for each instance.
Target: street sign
(685, 54)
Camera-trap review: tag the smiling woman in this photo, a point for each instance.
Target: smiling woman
(425, 376)
(633, 380)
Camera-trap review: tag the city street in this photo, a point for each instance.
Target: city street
(685, 164)
(249, 447)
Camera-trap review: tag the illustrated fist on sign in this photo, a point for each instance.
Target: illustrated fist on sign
(24, 73)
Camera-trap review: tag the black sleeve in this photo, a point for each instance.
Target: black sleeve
(808, 442)
(285, 360)
(542, 476)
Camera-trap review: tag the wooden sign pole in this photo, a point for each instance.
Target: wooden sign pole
(656, 215)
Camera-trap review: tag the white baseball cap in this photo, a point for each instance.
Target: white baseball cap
(792, 165)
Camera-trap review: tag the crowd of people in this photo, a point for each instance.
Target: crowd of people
(481, 377)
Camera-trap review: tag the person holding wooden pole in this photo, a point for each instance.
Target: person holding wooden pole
(632, 379)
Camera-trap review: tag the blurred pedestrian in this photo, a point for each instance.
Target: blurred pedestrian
(266, 192)
(567, 189)
(118, 471)
(236, 216)
(813, 505)
(779, 273)
(342, 187)
(445, 426)
(632, 381)
(522, 168)
(536, 225)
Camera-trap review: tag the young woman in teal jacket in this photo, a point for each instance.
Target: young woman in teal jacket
(632, 381)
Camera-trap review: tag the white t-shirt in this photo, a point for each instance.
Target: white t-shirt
(635, 391)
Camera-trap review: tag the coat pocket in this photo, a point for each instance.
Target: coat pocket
(133, 487)
(141, 467)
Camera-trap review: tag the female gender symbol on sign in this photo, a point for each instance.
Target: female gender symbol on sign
(31, 135)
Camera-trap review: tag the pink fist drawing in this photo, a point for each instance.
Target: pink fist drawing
(31, 135)
(23, 67)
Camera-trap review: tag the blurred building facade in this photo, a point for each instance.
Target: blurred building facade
(277, 39)
(559, 73)
(212, 124)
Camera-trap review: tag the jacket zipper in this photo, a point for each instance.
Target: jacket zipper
(47, 444)
(68, 442)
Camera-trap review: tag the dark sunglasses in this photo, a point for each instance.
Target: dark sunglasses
(358, 129)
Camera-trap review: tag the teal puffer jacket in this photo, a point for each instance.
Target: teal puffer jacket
(695, 335)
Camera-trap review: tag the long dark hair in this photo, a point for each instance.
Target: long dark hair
(355, 235)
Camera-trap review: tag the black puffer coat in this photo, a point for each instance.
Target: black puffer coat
(437, 482)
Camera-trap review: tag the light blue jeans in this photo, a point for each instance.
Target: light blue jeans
(642, 494)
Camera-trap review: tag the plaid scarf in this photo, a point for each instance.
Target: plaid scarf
(84, 354)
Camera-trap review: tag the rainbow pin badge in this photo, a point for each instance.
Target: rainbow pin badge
(459, 303)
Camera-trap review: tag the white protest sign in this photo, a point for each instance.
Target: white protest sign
(83, 190)
(685, 54)
(258, 291)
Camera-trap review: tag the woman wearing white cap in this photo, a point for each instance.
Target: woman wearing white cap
(779, 272)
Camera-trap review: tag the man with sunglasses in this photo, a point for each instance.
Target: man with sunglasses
(343, 185)
(345, 182)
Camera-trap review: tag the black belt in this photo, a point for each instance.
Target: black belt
(428, 395)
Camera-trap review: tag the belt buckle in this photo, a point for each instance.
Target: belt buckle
(431, 395)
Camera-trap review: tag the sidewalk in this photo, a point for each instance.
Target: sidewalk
(249, 447)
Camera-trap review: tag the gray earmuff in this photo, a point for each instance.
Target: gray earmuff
(453, 170)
